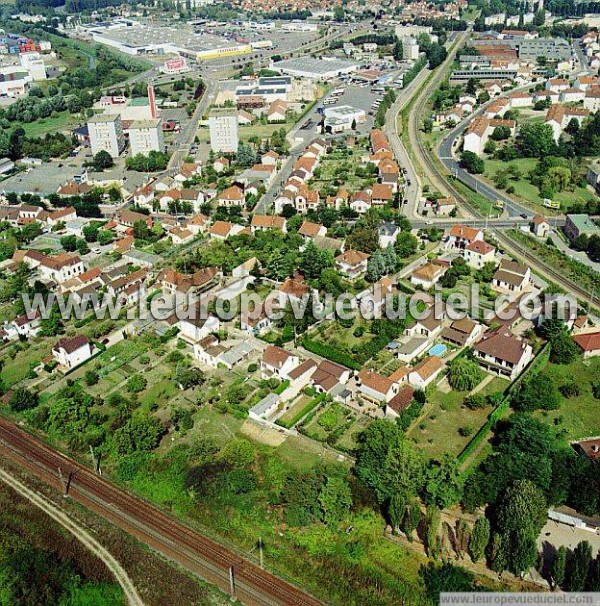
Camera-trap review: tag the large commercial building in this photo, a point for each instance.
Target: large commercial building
(34, 64)
(223, 126)
(464, 75)
(316, 69)
(106, 133)
(342, 117)
(146, 136)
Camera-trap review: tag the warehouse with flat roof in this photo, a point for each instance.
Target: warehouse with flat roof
(315, 69)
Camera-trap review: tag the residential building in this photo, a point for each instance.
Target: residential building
(540, 226)
(503, 353)
(106, 133)
(223, 126)
(589, 343)
(428, 275)
(146, 136)
(463, 332)
(376, 388)
(352, 263)
(478, 253)
(425, 372)
(277, 362)
(511, 277)
(577, 225)
(71, 352)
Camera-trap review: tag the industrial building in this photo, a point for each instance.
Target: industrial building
(223, 126)
(146, 136)
(106, 133)
(464, 75)
(34, 64)
(315, 69)
(341, 118)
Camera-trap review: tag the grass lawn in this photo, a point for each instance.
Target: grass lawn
(295, 408)
(57, 122)
(438, 432)
(17, 365)
(264, 131)
(530, 193)
(349, 439)
(578, 417)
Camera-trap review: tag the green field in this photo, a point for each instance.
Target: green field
(530, 193)
(578, 417)
(444, 415)
(58, 122)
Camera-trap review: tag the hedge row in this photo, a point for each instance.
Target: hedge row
(331, 353)
(302, 412)
(538, 364)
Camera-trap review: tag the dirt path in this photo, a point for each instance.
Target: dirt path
(131, 594)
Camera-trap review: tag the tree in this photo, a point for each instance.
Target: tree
(472, 163)
(520, 517)
(433, 521)
(396, 510)
(411, 519)
(464, 374)
(102, 160)
(463, 536)
(443, 482)
(475, 401)
(593, 578)
(406, 244)
(141, 433)
(563, 349)
(23, 399)
(238, 453)
(500, 133)
(313, 261)
(559, 567)
(536, 140)
(69, 243)
(593, 250)
(136, 383)
(537, 392)
(189, 377)
(91, 377)
(387, 462)
(578, 569)
(335, 499)
(446, 578)
(480, 537)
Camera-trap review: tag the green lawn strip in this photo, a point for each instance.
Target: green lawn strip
(302, 412)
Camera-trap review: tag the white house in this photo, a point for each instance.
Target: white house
(503, 353)
(352, 263)
(511, 277)
(478, 253)
(428, 275)
(425, 372)
(277, 362)
(376, 388)
(195, 329)
(71, 352)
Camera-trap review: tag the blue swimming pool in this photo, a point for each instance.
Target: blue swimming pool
(437, 350)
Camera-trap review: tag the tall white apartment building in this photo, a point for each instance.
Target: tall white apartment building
(106, 133)
(146, 136)
(410, 48)
(223, 125)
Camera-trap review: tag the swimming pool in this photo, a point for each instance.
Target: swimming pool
(437, 350)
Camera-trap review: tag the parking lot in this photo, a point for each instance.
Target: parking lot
(359, 97)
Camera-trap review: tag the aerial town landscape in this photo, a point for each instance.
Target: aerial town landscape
(299, 302)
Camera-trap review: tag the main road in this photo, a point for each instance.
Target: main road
(189, 548)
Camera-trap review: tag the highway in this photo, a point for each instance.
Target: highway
(197, 553)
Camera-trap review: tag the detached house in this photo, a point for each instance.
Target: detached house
(503, 353)
(428, 275)
(425, 372)
(352, 263)
(511, 277)
(376, 388)
(277, 362)
(71, 352)
(478, 253)
(309, 230)
(461, 236)
(232, 196)
(463, 332)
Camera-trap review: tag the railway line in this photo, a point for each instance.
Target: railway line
(197, 553)
(440, 181)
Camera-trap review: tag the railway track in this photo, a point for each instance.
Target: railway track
(440, 180)
(201, 555)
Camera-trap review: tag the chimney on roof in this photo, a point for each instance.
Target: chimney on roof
(595, 448)
(152, 101)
